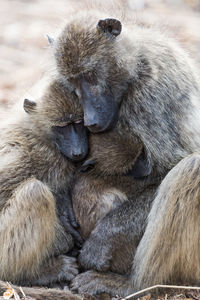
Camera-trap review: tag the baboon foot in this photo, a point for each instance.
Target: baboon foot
(94, 283)
(95, 254)
(56, 270)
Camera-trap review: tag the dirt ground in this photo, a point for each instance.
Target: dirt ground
(23, 45)
(24, 24)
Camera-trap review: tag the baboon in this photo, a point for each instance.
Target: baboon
(105, 193)
(38, 155)
(139, 79)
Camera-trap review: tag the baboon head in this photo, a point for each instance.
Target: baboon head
(85, 58)
(59, 115)
(112, 153)
(134, 74)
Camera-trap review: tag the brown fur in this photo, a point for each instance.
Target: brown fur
(33, 173)
(169, 249)
(157, 90)
(97, 191)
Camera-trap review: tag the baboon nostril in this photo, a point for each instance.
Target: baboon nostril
(90, 124)
(90, 121)
(93, 126)
(77, 156)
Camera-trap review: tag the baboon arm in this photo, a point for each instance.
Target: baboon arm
(169, 250)
(67, 216)
(30, 231)
(115, 236)
(40, 293)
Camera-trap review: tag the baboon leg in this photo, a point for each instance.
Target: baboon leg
(29, 232)
(40, 293)
(113, 242)
(169, 250)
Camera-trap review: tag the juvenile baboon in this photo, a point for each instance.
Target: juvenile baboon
(104, 195)
(169, 249)
(142, 78)
(35, 177)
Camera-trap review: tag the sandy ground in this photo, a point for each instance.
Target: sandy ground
(24, 24)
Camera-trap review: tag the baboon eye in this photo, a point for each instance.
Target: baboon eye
(59, 129)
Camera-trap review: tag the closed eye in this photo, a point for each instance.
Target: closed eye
(78, 121)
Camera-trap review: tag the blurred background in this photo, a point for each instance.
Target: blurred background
(24, 24)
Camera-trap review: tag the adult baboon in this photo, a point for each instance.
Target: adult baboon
(148, 83)
(35, 177)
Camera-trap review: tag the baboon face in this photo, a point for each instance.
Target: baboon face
(85, 59)
(71, 140)
(60, 116)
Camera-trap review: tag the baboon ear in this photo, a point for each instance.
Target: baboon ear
(110, 26)
(142, 167)
(29, 106)
(50, 39)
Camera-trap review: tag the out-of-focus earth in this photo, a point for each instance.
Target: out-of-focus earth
(24, 24)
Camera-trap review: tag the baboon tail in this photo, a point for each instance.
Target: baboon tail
(39, 293)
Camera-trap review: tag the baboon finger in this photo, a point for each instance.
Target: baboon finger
(68, 227)
(72, 218)
(87, 165)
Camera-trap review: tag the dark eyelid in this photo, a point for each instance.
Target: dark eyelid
(78, 121)
(63, 125)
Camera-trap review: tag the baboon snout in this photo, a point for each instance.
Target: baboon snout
(78, 156)
(89, 121)
(92, 122)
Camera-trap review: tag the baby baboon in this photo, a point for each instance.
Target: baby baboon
(169, 249)
(143, 79)
(35, 177)
(108, 195)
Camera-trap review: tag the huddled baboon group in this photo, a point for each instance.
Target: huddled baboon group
(109, 159)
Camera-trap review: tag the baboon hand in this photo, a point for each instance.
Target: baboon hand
(67, 217)
(57, 269)
(87, 165)
(96, 253)
(66, 222)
